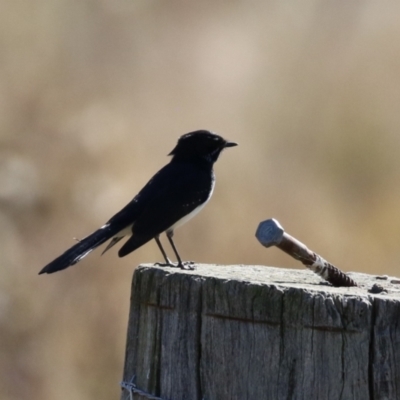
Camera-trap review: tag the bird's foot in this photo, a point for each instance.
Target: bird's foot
(187, 265)
(160, 264)
(167, 263)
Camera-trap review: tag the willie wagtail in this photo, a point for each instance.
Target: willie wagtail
(174, 195)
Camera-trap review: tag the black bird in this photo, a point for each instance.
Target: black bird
(174, 195)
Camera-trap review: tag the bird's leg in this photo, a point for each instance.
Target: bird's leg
(168, 262)
(183, 265)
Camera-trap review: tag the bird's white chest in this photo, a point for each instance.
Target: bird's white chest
(189, 216)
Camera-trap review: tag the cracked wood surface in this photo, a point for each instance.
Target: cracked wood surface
(254, 332)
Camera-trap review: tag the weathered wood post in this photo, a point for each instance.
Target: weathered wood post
(254, 332)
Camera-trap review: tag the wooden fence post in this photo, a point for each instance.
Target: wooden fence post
(253, 332)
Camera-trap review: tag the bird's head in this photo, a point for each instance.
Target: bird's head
(200, 144)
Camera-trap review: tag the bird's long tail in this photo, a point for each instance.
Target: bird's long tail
(80, 250)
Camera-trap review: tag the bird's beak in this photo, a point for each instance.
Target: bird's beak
(230, 144)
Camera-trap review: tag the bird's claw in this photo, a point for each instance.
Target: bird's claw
(160, 264)
(186, 265)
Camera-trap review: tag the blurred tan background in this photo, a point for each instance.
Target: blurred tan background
(94, 94)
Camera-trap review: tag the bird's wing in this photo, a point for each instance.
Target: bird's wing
(176, 199)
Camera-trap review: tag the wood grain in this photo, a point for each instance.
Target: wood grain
(254, 332)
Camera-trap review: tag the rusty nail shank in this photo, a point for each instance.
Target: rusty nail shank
(271, 233)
